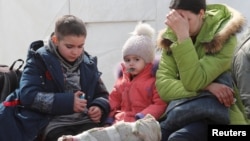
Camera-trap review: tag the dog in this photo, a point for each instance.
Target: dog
(145, 129)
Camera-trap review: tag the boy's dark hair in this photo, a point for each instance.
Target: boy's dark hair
(192, 5)
(69, 25)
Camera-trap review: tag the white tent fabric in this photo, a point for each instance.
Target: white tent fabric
(108, 23)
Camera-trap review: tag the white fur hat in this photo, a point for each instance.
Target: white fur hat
(141, 43)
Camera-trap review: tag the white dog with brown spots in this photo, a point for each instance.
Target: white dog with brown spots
(145, 129)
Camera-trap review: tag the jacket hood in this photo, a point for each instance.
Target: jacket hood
(214, 32)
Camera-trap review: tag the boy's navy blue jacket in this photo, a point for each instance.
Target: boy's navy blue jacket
(23, 115)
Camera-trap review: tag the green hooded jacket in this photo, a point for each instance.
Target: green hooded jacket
(186, 67)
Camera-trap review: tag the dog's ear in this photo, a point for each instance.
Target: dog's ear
(65, 138)
(148, 116)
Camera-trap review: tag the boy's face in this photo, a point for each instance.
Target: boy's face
(134, 64)
(71, 47)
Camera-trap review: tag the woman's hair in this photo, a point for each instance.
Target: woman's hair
(69, 25)
(192, 5)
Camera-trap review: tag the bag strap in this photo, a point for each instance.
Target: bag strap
(14, 73)
(10, 79)
(14, 63)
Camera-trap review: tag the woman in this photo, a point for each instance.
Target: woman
(197, 47)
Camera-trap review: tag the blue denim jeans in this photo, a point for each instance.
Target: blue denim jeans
(193, 128)
(196, 131)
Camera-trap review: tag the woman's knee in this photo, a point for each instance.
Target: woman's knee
(196, 131)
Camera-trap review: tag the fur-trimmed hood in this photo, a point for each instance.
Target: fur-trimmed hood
(214, 32)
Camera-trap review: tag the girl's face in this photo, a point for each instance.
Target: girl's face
(134, 64)
(195, 20)
(71, 47)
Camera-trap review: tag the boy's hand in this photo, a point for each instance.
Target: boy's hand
(95, 113)
(79, 104)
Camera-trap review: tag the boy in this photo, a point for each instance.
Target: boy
(55, 77)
